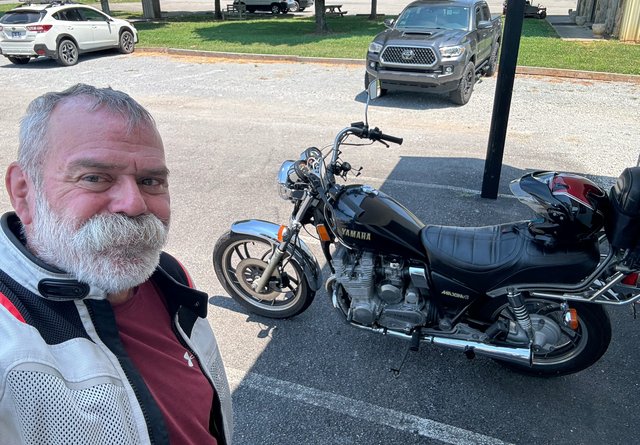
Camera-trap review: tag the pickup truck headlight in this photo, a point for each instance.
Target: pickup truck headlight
(375, 47)
(452, 51)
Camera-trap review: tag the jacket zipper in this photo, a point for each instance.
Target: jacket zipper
(127, 375)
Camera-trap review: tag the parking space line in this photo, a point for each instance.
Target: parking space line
(360, 410)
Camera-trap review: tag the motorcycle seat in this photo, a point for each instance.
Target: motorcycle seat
(486, 258)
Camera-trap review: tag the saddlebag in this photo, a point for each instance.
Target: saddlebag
(623, 222)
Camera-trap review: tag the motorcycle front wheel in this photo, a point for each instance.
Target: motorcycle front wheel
(240, 260)
(571, 350)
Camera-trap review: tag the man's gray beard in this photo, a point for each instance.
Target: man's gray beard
(113, 252)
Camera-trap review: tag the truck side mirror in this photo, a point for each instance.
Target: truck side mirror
(388, 23)
(485, 24)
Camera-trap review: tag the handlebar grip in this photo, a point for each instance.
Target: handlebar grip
(393, 139)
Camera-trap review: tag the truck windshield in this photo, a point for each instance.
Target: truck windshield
(434, 17)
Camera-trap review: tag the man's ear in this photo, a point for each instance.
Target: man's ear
(20, 190)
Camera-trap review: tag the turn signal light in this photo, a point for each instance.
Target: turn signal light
(631, 279)
(571, 319)
(281, 233)
(39, 28)
(323, 233)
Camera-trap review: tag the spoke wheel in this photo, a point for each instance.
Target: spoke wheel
(67, 53)
(240, 261)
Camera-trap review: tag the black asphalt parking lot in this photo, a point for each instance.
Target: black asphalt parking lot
(313, 379)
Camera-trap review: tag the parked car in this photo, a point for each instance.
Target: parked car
(61, 31)
(275, 6)
(301, 5)
(436, 45)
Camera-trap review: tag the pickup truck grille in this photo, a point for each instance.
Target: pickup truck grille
(408, 55)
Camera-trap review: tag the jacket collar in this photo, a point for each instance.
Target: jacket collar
(34, 274)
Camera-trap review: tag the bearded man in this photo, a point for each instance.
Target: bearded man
(103, 339)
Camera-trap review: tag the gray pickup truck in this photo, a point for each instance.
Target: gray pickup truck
(438, 46)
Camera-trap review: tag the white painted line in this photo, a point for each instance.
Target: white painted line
(360, 410)
(431, 186)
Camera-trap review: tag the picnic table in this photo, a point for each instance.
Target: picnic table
(334, 10)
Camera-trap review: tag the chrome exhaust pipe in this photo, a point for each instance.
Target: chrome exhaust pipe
(522, 356)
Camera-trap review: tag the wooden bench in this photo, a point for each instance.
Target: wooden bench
(235, 12)
(335, 10)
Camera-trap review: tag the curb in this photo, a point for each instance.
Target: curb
(274, 58)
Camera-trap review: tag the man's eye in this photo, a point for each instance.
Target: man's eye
(92, 178)
(153, 183)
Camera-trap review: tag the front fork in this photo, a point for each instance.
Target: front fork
(288, 234)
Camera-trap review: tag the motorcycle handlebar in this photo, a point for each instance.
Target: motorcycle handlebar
(376, 135)
(389, 138)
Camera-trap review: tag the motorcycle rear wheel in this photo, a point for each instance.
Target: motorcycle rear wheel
(575, 351)
(239, 260)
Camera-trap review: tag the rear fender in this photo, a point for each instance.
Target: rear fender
(301, 253)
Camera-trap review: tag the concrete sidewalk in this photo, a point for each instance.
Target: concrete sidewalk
(568, 30)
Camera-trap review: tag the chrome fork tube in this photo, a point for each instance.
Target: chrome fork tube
(292, 229)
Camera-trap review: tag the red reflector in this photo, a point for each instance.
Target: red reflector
(631, 279)
(39, 28)
(40, 52)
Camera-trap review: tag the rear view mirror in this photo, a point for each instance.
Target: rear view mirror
(388, 23)
(373, 90)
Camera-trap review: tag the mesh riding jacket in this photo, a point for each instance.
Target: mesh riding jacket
(64, 374)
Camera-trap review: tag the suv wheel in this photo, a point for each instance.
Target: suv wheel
(67, 53)
(18, 60)
(462, 94)
(275, 8)
(126, 45)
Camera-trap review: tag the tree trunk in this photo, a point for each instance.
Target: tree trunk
(104, 4)
(217, 10)
(151, 9)
(374, 10)
(321, 19)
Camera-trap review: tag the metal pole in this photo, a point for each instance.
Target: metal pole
(502, 99)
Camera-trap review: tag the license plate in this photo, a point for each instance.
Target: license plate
(16, 34)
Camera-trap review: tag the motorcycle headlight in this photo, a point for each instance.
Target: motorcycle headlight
(375, 47)
(452, 51)
(285, 182)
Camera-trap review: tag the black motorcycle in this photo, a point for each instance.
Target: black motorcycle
(529, 294)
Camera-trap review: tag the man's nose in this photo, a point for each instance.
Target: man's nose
(127, 198)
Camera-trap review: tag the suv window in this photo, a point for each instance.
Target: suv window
(92, 16)
(69, 15)
(21, 17)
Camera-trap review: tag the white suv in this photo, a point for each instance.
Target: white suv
(61, 31)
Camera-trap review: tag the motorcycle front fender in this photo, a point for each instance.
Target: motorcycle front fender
(301, 253)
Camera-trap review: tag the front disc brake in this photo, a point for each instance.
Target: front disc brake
(249, 271)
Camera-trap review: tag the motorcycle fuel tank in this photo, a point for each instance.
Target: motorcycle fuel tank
(365, 218)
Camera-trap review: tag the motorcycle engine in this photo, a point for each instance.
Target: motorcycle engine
(378, 292)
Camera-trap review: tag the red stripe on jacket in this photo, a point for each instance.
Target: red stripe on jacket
(4, 301)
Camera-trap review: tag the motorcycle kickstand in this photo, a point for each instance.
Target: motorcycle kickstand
(414, 346)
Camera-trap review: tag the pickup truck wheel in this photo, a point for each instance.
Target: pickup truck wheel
(368, 80)
(492, 66)
(275, 8)
(462, 94)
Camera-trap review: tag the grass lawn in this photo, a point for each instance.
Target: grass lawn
(350, 36)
